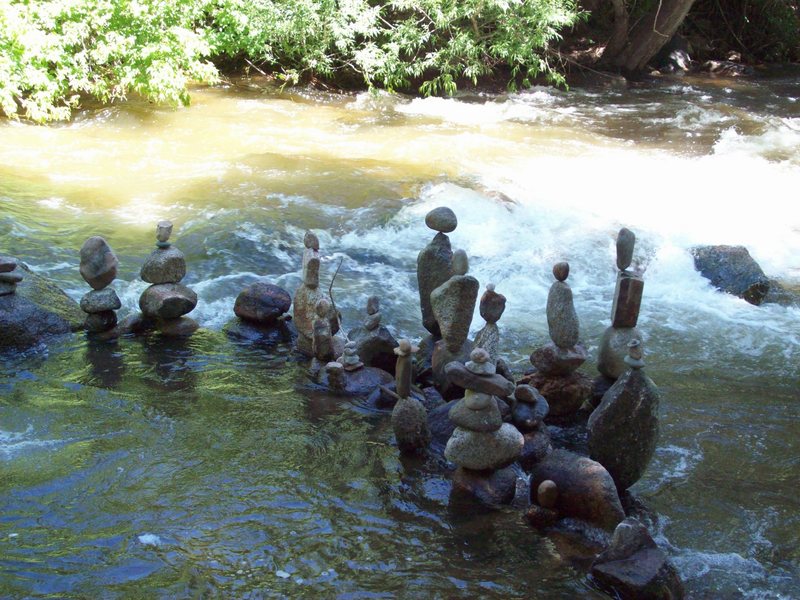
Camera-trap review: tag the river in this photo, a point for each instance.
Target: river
(153, 468)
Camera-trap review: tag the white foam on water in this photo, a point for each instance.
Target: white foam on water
(12, 443)
(149, 539)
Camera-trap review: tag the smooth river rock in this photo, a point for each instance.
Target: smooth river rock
(167, 301)
(623, 429)
(492, 305)
(480, 450)
(262, 303)
(410, 425)
(585, 489)
(626, 240)
(552, 360)
(98, 301)
(731, 269)
(164, 265)
(484, 419)
(565, 394)
(613, 350)
(441, 219)
(98, 263)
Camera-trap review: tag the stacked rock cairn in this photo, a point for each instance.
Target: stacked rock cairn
(556, 362)
(307, 296)
(491, 307)
(624, 311)
(528, 414)
(433, 263)
(99, 268)
(321, 337)
(375, 344)
(623, 429)
(482, 445)
(167, 300)
(409, 417)
(10, 275)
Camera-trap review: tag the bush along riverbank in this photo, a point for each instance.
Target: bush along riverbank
(55, 54)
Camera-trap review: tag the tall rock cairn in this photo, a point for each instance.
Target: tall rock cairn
(99, 268)
(409, 417)
(10, 275)
(491, 307)
(166, 300)
(307, 296)
(624, 311)
(623, 429)
(481, 443)
(433, 263)
(557, 362)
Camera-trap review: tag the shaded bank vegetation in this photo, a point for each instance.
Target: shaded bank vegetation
(54, 52)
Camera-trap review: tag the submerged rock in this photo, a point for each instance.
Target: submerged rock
(635, 568)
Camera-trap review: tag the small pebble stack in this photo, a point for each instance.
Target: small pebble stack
(481, 442)
(99, 268)
(10, 276)
(166, 299)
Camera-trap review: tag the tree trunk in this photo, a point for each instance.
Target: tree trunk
(620, 34)
(647, 37)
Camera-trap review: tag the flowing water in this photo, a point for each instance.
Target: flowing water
(205, 468)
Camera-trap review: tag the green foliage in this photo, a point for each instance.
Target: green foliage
(54, 51)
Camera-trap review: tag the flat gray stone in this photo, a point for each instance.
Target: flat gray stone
(486, 419)
(98, 301)
(164, 265)
(453, 304)
(496, 385)
(7, 264)
(167, 301)
(11, 277)
(480, 450)
(98, 263)
(562, 320)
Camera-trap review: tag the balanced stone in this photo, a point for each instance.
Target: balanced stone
(453, 304)
(562, 320)
(530, 409)
(310, 240)
(98, 301)
(627, 300)
(477, 400)
(623, 429)
(441, 219)
(433, 269)
(403, 370)
(484, 450)
(488, 338)
(410, 425)
(12, 277)
(496, 385)
(163, 231)
(480, 363)
(262, 303)
(613, 349)
(101, 321)
(561, 271)
(7, 264)
(552, 360)
(492, 304)
(484, 419)
(350, 359)
(626, 240)
(164, 265)
(460, 263)
(565, 394)
(98, 263)
(322, 341)
(167, 301)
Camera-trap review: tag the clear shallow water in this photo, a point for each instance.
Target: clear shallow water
(207, 467)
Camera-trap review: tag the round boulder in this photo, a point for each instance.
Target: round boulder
(262, 303)
(167, 301)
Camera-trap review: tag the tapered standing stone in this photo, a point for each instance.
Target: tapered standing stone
(562, 320)
(492, 306)
(453, 303)
(409, 417)
(433, 263)
(626, 240)
(623, 429)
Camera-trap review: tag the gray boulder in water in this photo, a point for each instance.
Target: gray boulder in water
(37, 310)
(731, 269)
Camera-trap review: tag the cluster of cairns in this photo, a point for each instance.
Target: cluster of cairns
(10, 275)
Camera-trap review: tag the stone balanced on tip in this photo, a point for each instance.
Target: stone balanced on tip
(491, 307)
